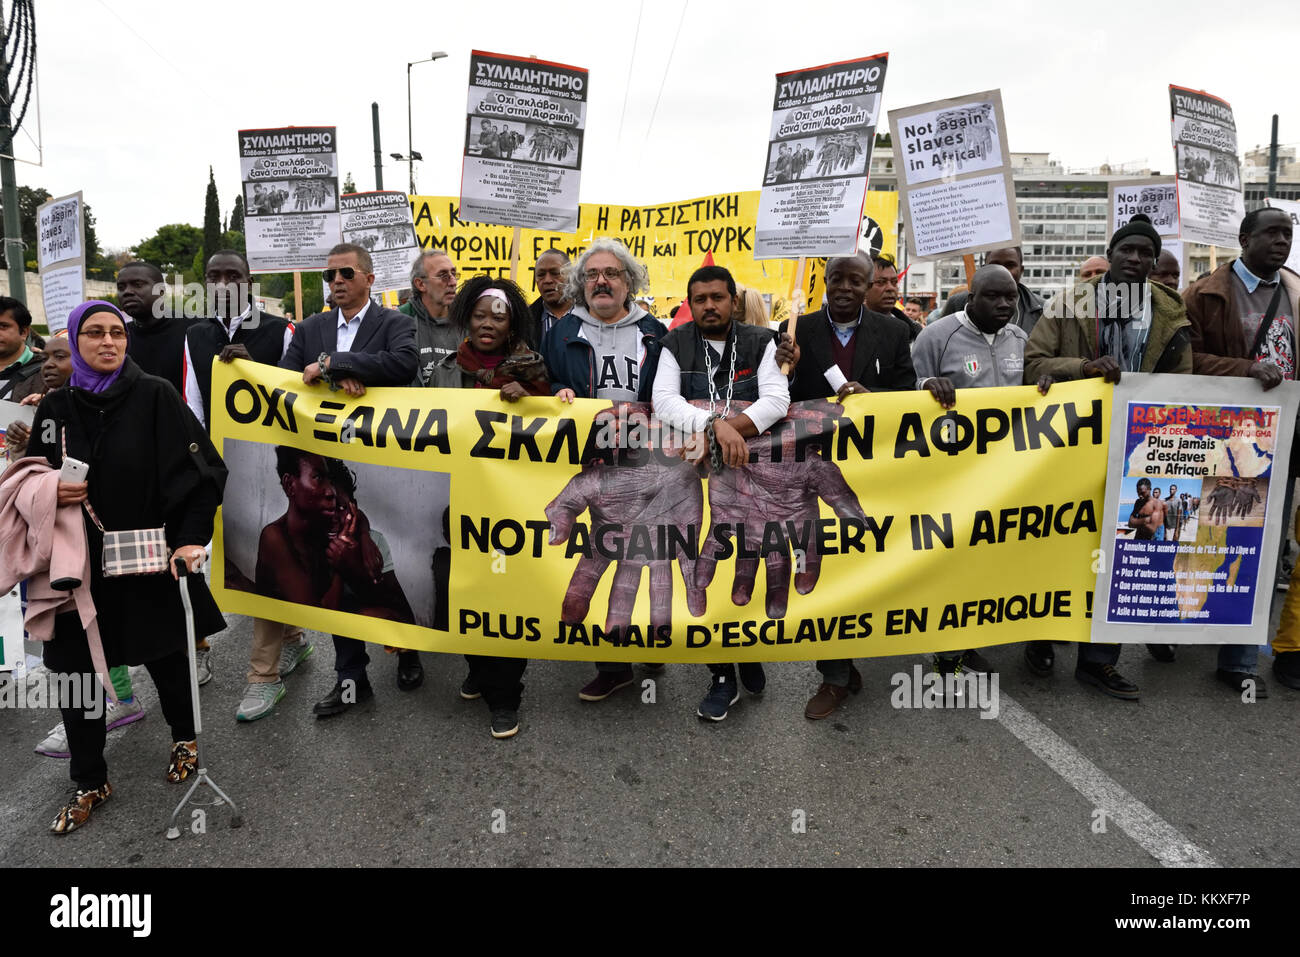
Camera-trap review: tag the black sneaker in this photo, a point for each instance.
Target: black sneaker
(945, 664)
(1039, 657)
(973, 661)
(1239, 681)
(1286, 668)
(723, 693)
(505, 723)
(752, 677)
(1108, 680)
(469, 688)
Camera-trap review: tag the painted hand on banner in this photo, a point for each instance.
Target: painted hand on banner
(774, 507)
(638, 501)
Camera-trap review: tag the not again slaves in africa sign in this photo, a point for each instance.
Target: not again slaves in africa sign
(449, 520)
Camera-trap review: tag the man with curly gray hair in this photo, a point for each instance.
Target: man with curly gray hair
(607, 347)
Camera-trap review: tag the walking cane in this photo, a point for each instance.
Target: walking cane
(173, 832)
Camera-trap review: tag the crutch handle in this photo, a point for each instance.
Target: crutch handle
(182, 567)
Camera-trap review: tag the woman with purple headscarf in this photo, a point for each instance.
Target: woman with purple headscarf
(151, 466)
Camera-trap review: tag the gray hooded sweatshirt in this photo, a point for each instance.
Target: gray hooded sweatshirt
(619, 353)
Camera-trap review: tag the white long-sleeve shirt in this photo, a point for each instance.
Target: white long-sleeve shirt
(194, 398)
(773, 393)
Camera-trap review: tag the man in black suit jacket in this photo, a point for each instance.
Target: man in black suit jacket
(845, 348)
(356, 344)
(842, 350)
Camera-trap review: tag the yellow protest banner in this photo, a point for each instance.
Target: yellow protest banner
(450, 520)
(671, 239)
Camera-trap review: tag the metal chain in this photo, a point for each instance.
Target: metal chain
(710, 369)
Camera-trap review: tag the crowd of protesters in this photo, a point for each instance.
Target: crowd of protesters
(128, 391)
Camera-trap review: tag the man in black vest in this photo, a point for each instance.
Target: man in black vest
(718, 361)
(237, 329)
(157, 342)
(356, 344)
(846, 349)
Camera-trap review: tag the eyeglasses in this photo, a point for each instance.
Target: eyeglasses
(116, 333)
(447, 275)
(347, 272)
(609, 272)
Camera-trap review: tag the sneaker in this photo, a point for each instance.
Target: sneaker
(184, 756)
(722, 695)
(55, 744)
(1239, 681)
(1040, 656)
(968, 661)
(505, 723)
(1163, 653)
(119, 713)
(292, 654)
(259, 699)
(469, 688)
(1108, 680)
(77, 811)
(1286, 668)
(752, 677)
(605, 684)
(203, 660)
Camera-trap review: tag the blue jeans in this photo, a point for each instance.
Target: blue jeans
(1243, 658)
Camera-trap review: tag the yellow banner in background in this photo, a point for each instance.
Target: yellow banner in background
(670, 239)
(452, 521)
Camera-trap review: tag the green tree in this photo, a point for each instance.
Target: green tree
(172, 249)
(233, 239)
(237, 215)
(313, 299)
(211, 219)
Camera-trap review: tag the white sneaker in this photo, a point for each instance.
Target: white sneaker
(203, 660)
(55, 744)
(259, 699)
(119, 713)
(293, 653)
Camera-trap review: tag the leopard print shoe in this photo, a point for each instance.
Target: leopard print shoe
(184, 754)
(77, 811)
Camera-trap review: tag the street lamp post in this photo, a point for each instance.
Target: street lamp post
(410, 151)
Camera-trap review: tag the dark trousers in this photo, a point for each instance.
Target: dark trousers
(498, 679)
(68, 653)
(350, 659)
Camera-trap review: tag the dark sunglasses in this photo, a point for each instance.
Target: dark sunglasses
(347, 272)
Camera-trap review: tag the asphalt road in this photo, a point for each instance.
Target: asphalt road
(1190, 774)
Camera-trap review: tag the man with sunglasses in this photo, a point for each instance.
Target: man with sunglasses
(356, 344)
(433, 287)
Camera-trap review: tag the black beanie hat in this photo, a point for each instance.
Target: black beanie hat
(1139, 225)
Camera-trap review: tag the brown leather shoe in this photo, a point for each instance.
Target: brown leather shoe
(825, 701)
(828, 696)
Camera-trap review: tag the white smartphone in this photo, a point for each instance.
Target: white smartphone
(73, 471)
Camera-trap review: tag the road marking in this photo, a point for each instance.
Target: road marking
(1153, 833)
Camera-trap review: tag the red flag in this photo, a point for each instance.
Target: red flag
(684, 313)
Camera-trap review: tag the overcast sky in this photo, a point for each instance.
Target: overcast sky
(139, 97)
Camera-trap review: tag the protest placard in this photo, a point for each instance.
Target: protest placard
(818, 156)
(958, 194)
(1155, 197)
(61, 257)
(524, 132)
(1210, 202)
(380, 222)
(1192, 519)
(1292, 209)
(291, 196)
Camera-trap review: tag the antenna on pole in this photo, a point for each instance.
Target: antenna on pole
(17, 73)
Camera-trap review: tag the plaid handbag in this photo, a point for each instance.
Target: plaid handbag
(137, 551)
